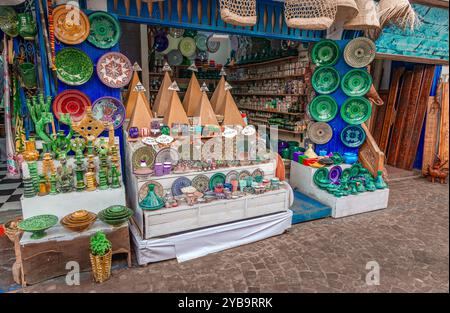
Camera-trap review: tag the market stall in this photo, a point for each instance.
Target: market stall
(207, 145)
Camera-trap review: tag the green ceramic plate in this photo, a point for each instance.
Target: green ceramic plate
(325, 53)
(105, 30)
(346, 174)
(73, 66)
(323, 108)
(325, 79)
(187, 46)
(321, 176)
(356, 83)
(218, 178)
(353, 136)
(356, 110)
(355, 170)
(200, 41)
(9, 21)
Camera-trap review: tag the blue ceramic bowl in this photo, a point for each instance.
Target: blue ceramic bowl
(350, 157)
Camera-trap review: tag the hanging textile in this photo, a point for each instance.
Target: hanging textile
(11, 162)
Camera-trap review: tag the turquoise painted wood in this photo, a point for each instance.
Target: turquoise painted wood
(270, 23)
(307, 209)
(429, 40)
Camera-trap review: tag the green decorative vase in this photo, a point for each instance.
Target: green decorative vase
(28, 188)
(27, 73)
(152, 201)
(27, 26)
(379, 182)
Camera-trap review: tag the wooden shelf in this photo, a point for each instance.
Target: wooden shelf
(286, 131)
(201, 80)
(156, 74)
(267, 78)
(271, 111)
(408, 58)
(282, 59)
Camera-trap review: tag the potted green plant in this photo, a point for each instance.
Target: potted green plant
(100, 255)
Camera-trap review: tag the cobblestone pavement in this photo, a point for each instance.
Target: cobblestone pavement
(409, 240)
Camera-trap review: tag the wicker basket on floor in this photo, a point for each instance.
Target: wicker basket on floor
(310, 14)
(101, 266)
(238, 12)
(11, 229)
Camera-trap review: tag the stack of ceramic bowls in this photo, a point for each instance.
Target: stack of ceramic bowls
(79, 220)
(115, 215)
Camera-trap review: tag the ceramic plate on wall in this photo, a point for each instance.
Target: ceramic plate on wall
(356, 83)
(71, 24)
(73, 102)
(187, 46)
(73, 66)
(323, 108)
(325, 53)
(217, 178)
(114, 70)
(359, 52)
(320, 133)
(356, 110)
(168, 155)
(353, 136)
(105, 30)
(325, 79)
(109, 109)
(144, 153)
(180, 183)
(201, 183)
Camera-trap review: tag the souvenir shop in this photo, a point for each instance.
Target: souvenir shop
(183, 128)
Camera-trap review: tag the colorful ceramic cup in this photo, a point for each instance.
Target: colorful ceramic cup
(133, 132)
(234, 184)
(144, 132)
(167, 169)
(159, 169)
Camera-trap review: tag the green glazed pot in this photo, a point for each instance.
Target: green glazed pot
(325, 79)
(9, 21)
(356, 110)
(27, 26)
(323, 108)
(325, 53)
(27, 73)
(356, 83)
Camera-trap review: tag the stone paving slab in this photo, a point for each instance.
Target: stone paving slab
(409, 240)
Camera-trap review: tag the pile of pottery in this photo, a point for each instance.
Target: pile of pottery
(115, 215)
(79, 220)
(350, 181)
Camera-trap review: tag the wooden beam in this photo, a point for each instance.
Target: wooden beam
(407, 58)
(432, 3)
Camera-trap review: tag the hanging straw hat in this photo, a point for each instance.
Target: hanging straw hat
(367, 18)
(346, 10)
(398, 12)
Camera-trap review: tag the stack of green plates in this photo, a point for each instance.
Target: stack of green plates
(321, 179)
(115, 215)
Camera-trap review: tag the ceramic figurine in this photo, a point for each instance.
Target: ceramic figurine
(48, 167)
(151, 201)
(79, 171)
(379, 182)
(42, 185)
(30, 153)
(77, 145)
(32, 167)
(102, 179)
(90, 145)
(53, 181)
(115, 177)
(91, 184)
(65, 176)
(28, 188)
(61, 144)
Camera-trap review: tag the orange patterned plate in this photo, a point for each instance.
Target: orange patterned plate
(71, 24)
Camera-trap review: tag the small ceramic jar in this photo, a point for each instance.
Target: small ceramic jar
(144, 132)
(159, 169)
(133, 132)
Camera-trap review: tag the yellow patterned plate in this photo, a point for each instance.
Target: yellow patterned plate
(71, 24)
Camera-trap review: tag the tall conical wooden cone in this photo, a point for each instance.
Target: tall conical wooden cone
(192, 97)
(142, 115)
(205, 112)
(219, 94)
(175, 112)
(132, 97)
(134, 81)
(231, 115)
(163, 97)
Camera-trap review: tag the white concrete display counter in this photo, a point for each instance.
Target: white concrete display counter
(302, 180)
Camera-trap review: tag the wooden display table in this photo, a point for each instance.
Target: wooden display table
(46, 258)
(302, 180)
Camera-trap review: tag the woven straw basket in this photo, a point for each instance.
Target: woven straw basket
(310, 14)
(346, 10)
(101, 266)
(238, 12)
(13, 232)
(367, 17)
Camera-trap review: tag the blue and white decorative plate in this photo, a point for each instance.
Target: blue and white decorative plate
(178, 184)
(353, 136)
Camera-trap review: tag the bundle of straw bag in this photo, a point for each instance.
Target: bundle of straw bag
(310, 14)
(366, 19)
(238, 12)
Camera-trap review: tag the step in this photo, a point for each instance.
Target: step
(307, 209)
